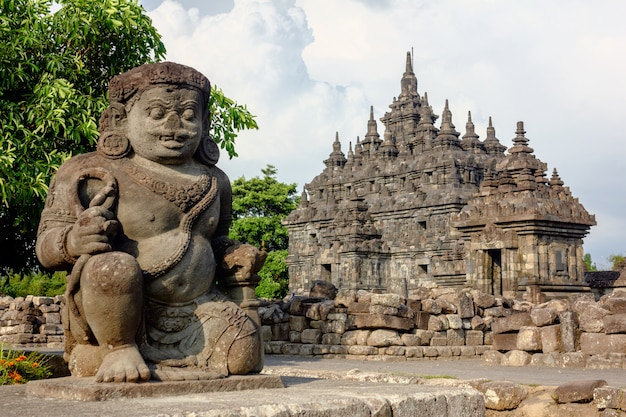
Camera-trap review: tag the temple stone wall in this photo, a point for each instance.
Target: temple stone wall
(428, 205)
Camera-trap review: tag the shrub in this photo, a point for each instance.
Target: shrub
(18, 368)
(274, 276)
(33, 283)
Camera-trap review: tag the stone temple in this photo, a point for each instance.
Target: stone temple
(428, 205)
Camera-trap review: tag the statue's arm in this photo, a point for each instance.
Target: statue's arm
(220, 240)
(57, 219)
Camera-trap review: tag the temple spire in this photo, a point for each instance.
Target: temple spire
(520, 142)
(492, 144)
(336, 157)
(409, 81)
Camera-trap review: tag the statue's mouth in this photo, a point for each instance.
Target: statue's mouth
(171, 142)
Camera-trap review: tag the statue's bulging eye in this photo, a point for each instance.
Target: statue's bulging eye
(189, 114)
(157, 112)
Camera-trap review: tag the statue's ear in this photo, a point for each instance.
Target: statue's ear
(208, 153)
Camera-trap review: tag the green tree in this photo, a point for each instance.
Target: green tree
(54, 70)
(259, 206)
(618, 262)
(589, 264)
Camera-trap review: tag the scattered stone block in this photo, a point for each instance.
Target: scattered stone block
(298, 323)
(551, 339)
(609, 397)
(331, 339)
(517, 358)
(295, 337)
(431, 306)
(454, 321)
(362, 350)
(529, 339)
(502, 395)
(505, 341)
(439, 339)
(383, 338)
(455, 337)
(436, 324)
(414, 352)
(591, 319)
(514, 322)
(421, 320)
(387, 300)
(311, 336)
(474, 337)
(543, 316)
(614, 323)
(577, 391)
(355, 337)
(569, 330)
(380, 321)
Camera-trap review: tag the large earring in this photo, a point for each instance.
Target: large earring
(208, 152)
(113, 145)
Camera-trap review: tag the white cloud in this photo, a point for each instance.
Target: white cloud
(309, 68)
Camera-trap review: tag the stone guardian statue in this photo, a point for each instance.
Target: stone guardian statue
(141, 225)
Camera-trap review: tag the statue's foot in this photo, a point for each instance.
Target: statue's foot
(123, 364)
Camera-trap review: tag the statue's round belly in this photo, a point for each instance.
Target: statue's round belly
(184, 280)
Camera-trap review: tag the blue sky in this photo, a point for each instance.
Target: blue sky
(310, 68)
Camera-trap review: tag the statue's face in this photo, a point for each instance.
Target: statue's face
(165, 124)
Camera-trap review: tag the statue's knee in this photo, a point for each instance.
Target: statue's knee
(245, 355)
(112, 273)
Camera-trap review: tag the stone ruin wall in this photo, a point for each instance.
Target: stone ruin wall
(578, 331)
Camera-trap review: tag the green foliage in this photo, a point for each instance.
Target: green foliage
(274, 276)
(618, 262)
(54, 68)
(18, 368)
(21, 285)
(227, 118)
(259, 205)
(589, 264)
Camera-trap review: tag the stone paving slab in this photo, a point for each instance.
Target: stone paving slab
(87, 389)
(301, 396)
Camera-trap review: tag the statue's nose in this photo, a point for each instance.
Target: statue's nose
(172, 121)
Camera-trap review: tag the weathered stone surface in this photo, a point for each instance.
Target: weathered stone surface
(297, 323)
(431, 306)
(323, 289)
(387, 300)
(615, 323)
(543, 316)
(439, 339)
(355, 337)
(517, 358)
(577, 391)
(331, 339)
(382, 338)
(344, 297)
(421, 320)
(463, 302)
(514, 322)
(419, 338)
(551, 339)
(474, 337)
(502, 395)
(529, 339)
(591, 319)
(436, 324)
(382, 321)
(616, 304)
(505, 341)
(454, 321)
(455, 337)
(477, 323)
(362, 350)
(569, 330)
(359, 307)
(483, 300)
(609, 397)
(311, 336)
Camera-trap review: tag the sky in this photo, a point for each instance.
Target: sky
(310, 69)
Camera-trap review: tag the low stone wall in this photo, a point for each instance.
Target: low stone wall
(574, 332)
(429, 323)
(31, 321)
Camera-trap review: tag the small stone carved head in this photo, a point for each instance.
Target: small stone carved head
(127, 88)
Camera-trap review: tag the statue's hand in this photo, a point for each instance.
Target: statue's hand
(92, 233)
(243, 260)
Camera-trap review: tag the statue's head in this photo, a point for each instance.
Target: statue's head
(159, 112)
